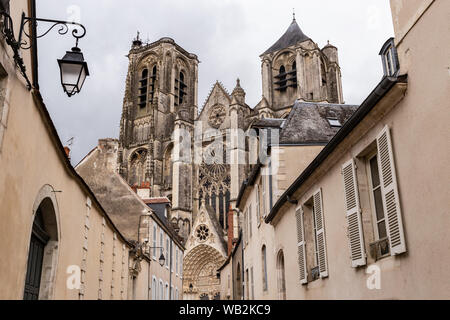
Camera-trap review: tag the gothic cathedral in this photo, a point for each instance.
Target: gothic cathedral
(161, 98)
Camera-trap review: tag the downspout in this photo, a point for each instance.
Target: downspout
(34, 50)
(170, 271)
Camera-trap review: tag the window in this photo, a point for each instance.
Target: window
(154, 240)
(176, 261)
(258, 209)
(281, 83)
(161, 290)
(167, 252)
(180, 89)
(381, 244)
(281, 276)
(143, 82)
(247, 284)
(388, 236)
(161, 243)
(312, 256)
(152, 84)
(389, 58)
(334, 122)
(264, 267)
(166, 291)
(252, 283)
(263, 196)
(154, 288)
(250, 221)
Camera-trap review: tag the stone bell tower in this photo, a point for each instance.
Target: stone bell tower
(161, 85)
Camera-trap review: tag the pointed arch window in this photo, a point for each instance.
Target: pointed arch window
(180, 89)
(143, 90)
(152, 85)
(281, 83)
(293, 75)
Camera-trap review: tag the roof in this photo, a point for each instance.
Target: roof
(123, 205)
(268, 123)
(157, 200)
(308, 122)
(385, 85)
(292, 36)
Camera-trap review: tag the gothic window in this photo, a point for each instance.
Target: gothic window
(152, 84)
(180, 89)
(293, 75)
(137, 167)
(281, 83)
(168, 167)
(202, 232)
(143, 82)
(323, 73)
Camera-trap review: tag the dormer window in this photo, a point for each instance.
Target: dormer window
(389, 58)
(143, 82)
(180, 89)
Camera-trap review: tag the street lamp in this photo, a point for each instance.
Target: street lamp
(73, 68)
(74, 71)
(162, 260)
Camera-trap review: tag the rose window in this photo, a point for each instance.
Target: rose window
(202, 232)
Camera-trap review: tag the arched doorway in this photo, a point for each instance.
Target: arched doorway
(200, 272)
(281, 276)
(43, 248)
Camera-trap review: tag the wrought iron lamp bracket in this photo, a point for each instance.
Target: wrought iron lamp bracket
(64, 27)
(16, 45)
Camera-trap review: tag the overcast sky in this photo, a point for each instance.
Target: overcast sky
(227, 35)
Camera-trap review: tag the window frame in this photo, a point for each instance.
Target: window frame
(376, 234)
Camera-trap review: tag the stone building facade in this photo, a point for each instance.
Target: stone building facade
(366, 216)
(57, 242)
(160, 104)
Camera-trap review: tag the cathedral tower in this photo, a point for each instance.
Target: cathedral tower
(160, 93)
(296, 68)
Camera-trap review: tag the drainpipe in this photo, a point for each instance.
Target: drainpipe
(170, 270)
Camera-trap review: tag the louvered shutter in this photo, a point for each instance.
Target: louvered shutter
(320, 234)
(389, 192)
(353, 213)
(301, 246)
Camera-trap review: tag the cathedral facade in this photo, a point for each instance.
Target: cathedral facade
(161, 101)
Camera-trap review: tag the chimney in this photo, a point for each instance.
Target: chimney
(230, 230)
(67, 150)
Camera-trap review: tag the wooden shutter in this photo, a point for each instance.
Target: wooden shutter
(353, 214)
(320, 234)
(301, 246)
(389, 193)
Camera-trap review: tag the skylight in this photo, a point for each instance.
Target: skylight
(334, 122)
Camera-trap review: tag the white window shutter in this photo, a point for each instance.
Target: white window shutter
(320, 234)
(258, 214)
(353, 213)
(389, 192)
(301, 246)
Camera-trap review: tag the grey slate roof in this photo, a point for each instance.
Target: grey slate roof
(307, 123)
(292, 36)
(268, 123)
